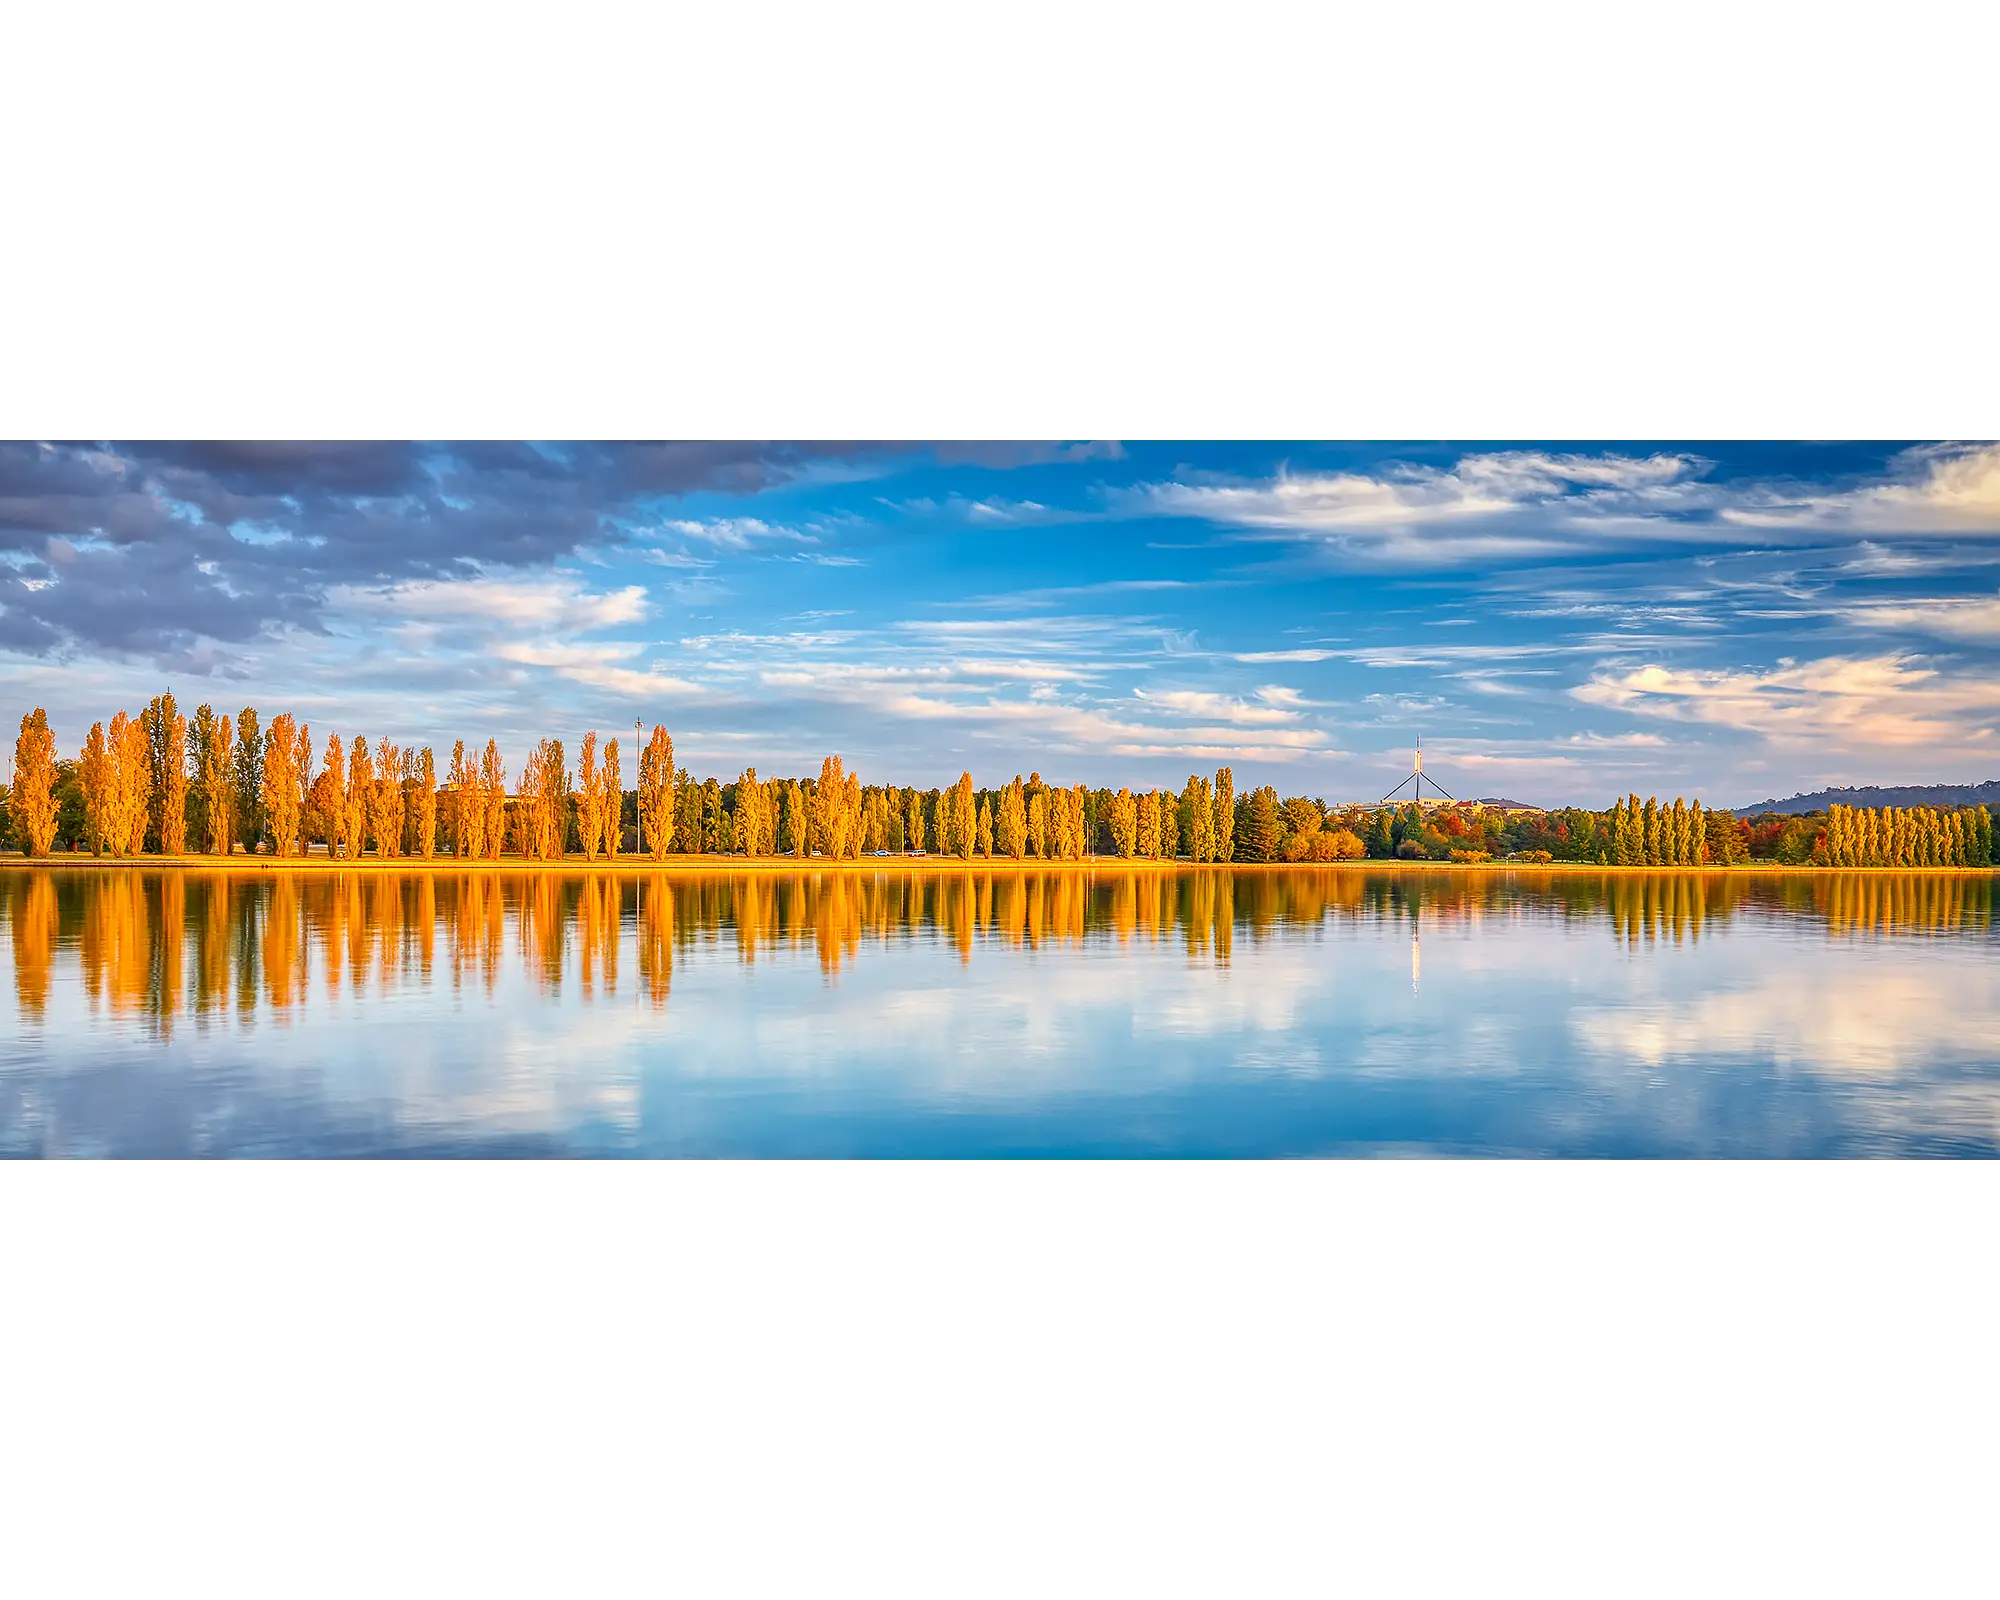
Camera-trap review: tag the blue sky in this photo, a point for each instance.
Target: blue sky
(1560, 621)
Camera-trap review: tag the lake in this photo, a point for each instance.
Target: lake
(996, 1012)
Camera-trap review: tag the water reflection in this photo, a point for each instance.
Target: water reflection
(960, 1010)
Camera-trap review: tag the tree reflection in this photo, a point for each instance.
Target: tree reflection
(159, 946)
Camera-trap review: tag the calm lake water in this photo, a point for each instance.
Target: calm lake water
(1302, 1012)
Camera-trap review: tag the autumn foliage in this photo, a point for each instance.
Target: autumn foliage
(162, 782)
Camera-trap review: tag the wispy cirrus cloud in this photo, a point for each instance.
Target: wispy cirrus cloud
(736, 533)
(559, 602)
(1509, 506)
(1485, 506)
(1973, 618)
(1273, 705)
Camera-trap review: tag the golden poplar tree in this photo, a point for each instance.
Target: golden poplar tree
(1198, 818)
(493, 799)
(1038, 816)
(31, 799)
(385, 799)
(1124, 823)
(964, 822)
(99, 790)
(333, 774)
(798, 830)
(826, 806)
(656, 794)
(167, 730)
(614, 803)
(132, 765)
(1010, 828)
(589, 798)
(283, 794)
(214, 739)
(302, 782)
(1225, 814)
(850, 817)
(756, 816)
(354, 811)
(544, 800)
(454, 807)
(1063, 836)
(527, 813)
(424, 803)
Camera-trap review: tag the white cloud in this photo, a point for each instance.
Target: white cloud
(1618, 741)
(1868, 1023)
(1005, 510)
(1396, 514)
(652, 684)
(1946, 488)
(802, 639)
(1975, 618)
(563, 654)
(1221, 707)
(736, 533)
(1520, 503)
(1257, 656)
(558, 602)
(1847, 703)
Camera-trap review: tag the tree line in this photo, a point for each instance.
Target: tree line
(163, 783)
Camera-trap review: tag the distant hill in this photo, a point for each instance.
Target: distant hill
(1506, 805)
(1916, 794)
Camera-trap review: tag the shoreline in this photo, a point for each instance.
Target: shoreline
(80, 862)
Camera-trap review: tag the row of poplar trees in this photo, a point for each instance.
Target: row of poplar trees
(1895, 836)
(162, 782)
(1657, 835)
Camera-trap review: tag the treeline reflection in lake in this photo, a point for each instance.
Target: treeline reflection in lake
(191, 944)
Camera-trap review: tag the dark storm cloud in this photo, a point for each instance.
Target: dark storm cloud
(144, 549)
(300, 468)
(147, 548)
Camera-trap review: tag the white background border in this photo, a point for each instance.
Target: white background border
(1692, 221)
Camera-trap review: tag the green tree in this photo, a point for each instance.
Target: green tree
(166, 739)
(688, 813)
(1197, 819)
(213, 791)
(1257, 825)
(711, 817)
(247, 798)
